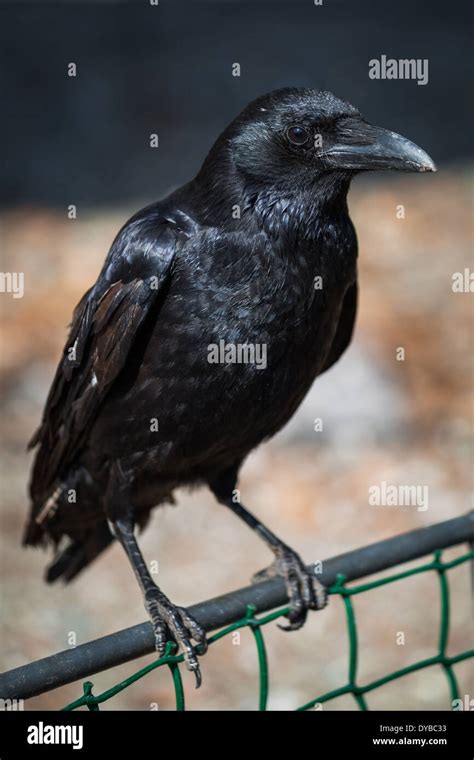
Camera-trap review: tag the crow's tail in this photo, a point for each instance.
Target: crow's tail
(79, 554)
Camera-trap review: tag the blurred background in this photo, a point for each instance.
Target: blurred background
(84, 141)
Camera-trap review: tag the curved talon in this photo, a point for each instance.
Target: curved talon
(198, 677)
(295, 621)
(291, 626)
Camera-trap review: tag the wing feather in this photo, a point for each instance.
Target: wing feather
(344, 329)
(105, 325)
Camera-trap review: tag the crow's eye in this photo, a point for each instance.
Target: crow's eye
(297, 135)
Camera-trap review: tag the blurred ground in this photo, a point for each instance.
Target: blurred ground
(405, 422)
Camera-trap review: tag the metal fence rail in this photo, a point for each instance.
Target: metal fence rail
(239, 609)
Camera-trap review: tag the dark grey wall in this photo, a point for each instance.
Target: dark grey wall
(167, 69)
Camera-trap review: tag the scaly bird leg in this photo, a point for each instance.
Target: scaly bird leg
(162, 612)
(305, 592)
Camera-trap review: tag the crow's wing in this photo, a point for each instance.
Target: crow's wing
(106, 322)
(345, 327)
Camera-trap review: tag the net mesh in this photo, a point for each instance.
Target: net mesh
(346, 592)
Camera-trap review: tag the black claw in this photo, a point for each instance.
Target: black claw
(296, 617)
(285, 627)
(198, 677)
(294, 623)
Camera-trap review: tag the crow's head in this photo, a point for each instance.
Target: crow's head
(297, 134)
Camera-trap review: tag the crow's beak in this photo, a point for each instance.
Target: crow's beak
(387, 151)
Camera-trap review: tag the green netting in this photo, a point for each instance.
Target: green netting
(346, 593)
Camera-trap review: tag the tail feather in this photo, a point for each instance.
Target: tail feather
(79, 554)
(34, 535)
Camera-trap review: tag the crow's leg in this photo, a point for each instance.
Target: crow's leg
(163, 613)
(305, 592)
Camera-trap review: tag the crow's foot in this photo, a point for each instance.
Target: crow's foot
(184, 628)
(305, 591)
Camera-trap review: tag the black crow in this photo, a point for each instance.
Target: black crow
(201, 336)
